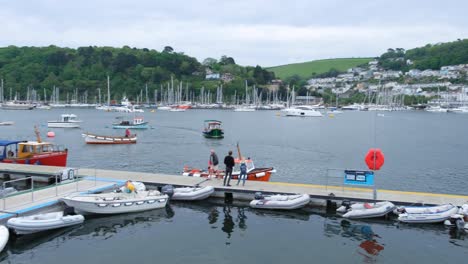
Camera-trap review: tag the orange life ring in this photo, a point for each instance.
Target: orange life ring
(374, 159)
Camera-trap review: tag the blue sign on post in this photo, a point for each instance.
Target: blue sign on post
(353, 177)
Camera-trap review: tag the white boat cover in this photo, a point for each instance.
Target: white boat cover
(435, 214)
(368, 210)
(192, 193)
(281, 201)
(116, 203)
(4, 236)
(42, 222)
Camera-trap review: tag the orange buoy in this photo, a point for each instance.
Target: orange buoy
(51, 134)
(374, 159)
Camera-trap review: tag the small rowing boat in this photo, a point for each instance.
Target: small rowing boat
(97, 139)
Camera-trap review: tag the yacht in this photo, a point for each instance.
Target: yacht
(305, 111)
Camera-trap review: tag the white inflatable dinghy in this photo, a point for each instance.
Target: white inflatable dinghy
(426, 214)
(4, 235)
(41, 222)
(366, 210)
(192, 193)
(280, 201)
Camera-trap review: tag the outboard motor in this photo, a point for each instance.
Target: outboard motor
(68, 211)
(168, 189)
(258, 196)
(345, 206)
(455, 220)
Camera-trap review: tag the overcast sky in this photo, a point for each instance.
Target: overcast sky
(263, 32)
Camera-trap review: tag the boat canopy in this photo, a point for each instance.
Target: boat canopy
(213, 121)
(9, 142)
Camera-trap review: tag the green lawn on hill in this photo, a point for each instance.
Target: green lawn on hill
(305, 69)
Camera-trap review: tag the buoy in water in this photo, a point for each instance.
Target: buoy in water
(278, 114)
(51, 134)
(152, 111)
(331, 115)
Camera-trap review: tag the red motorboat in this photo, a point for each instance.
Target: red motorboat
(33, 152)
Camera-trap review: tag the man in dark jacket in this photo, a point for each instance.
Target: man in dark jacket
(229, 162)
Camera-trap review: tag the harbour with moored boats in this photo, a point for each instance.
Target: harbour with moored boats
(307, 159)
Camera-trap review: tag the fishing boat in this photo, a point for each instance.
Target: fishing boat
(426, 214)
(97, 139)
(66, 121)
(280, 201)
(4, 236)
(192, 193)
(33, 152)
(137, 123)
(116, 202)
(42, 222)
(7, 123)
(213, 129)
(365, 210)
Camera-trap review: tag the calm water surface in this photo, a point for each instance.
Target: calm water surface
(423, 151)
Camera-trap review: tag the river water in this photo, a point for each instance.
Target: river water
(423, 152)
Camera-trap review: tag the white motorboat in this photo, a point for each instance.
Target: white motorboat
(4, 236)
(426, 214)
(116, 202)
(280, 201)
(244, 109)
(192, 193)
(302, 111)
(436, 109)
(66, 121)
(7, 123)
(42, 222)
(366, 210)
(164, 108)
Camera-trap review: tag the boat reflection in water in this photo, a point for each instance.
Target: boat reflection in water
(368, 245)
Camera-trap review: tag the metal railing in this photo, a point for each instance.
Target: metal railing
(59, 180)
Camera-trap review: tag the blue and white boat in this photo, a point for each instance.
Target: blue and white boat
(137, 123)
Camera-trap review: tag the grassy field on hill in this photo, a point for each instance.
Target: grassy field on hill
(305, 69)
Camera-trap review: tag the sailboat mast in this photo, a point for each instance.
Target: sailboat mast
(108, 90)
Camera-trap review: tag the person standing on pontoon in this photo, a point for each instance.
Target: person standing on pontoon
(230, 163)
(127, 133)
(243, 173)
(213, 163)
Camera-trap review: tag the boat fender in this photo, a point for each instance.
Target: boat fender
(258, 196)
(168, 189)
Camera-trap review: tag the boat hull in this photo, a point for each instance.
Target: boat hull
(140, 126)
(117, 206)
(63, 124)
(192, 193)
(426, 215)
(4, 236)
(214, 133)
(50, 159)
(281, 202)
(34, 224)
(359, 211)
(108, 140)
(257, 174)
